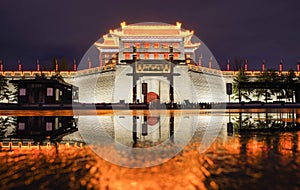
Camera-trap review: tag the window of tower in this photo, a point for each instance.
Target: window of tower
(165, 45)
(127, 55)
(175, 45)
(176, 56)
(137, 45)
(166, 56)
(126, 45)
(146, 45)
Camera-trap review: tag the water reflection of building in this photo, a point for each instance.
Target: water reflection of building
(149, 130)
(141, 129)
(45, 91)
(42, 127)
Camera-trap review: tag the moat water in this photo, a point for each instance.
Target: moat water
(183, 149)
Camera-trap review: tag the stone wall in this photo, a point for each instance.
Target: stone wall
(198, 86)
(95, 88)
(114, 85)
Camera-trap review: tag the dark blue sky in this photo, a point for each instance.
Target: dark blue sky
(256, 29)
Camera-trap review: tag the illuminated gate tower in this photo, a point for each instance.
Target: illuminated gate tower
(151, 50)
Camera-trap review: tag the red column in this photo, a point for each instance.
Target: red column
(228, 65)
(298, 66)
(200, 60)
(19, 65)
(210, 62)
(246, 65)
(74, 65)
(263, 66)
(280, 66)
(38, 65)
(100, 59)
(56, 65)
(89, 63)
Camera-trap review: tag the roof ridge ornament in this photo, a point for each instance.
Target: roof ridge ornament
(123, 24)
(178, 24)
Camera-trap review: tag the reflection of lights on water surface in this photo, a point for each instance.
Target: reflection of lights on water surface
(188, 169)
(260, 153)
(11, 146)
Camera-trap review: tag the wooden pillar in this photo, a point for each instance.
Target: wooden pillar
(145, 127)
(171, 55)
(134, 93)
(171, 123)
(145, 91)
(171, 94)
(134, 129)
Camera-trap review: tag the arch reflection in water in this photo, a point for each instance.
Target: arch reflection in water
(142, 141)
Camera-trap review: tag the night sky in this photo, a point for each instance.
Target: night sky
(256, 29)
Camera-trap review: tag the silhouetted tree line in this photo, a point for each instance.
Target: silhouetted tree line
(10, 95)
(63, 65)
(237, 63)
(268, 76)
(5, 123)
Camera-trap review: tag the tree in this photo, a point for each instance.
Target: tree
(58, 77)
(291, 79)
(3, 127)
(237, 64)
(241, 93)
(268, 76)
(4, 89)
(5, 123)
(53, 64)
(13, 96)
(64, 65)
(40, 77)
